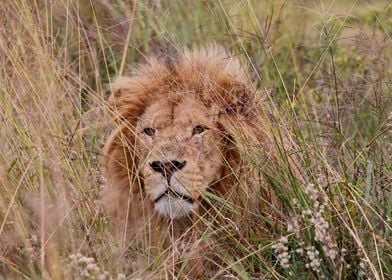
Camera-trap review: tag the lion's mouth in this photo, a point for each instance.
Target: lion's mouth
(175, 194)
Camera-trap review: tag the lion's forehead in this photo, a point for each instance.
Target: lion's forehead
(165, 114)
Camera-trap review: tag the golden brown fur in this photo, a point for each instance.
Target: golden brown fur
(205, 86)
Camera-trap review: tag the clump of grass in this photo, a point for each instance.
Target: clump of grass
(324, 73)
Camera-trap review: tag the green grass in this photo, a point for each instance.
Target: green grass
(323, 69)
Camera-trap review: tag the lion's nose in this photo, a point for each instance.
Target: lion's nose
(167, 168)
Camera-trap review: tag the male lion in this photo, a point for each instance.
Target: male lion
(181, 124)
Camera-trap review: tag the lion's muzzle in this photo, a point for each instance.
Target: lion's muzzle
(167, 168)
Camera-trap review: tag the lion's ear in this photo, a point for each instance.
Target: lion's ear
(240, 115)
(128, 98)
(242, 102)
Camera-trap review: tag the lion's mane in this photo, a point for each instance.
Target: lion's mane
(211, 76)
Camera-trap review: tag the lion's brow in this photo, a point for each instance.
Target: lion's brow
(158, 121)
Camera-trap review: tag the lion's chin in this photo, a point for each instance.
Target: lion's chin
(174, 208)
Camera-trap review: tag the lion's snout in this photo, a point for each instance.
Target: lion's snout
(167, 168)
(172, 186)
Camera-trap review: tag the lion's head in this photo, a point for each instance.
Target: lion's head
(179, 127)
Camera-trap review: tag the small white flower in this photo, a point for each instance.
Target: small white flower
(300, 251)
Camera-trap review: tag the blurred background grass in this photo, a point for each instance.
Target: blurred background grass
(324, 68)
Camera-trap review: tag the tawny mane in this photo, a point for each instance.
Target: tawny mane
(210, 75)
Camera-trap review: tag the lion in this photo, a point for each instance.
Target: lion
(182, 124)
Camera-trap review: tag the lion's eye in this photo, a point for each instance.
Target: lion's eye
(149, 131)
(199, 129)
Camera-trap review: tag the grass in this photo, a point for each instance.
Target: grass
(323, 69)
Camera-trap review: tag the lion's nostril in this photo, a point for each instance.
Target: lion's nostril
(178, 165)
(156, 166)
(167, 168)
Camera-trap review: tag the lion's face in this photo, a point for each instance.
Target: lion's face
(180, 152)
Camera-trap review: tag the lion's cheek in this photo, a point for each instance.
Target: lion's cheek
(189, 183)
(212, 166)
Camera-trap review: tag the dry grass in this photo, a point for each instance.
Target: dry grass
(324, 68)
